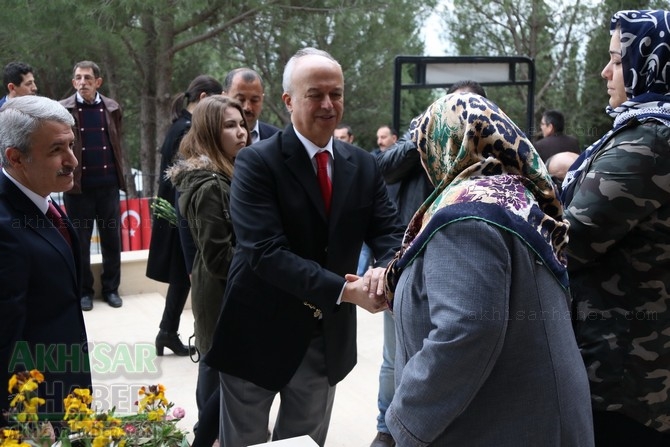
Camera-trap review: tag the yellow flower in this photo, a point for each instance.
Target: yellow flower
(8, 433)
(84, 394)
(38, 376)
(19, 381)
(11, 438)
(35, 401)
(12, 383)
(156, 415)
(148, 428)
(101, 441)
(19, 398)
(28, 386)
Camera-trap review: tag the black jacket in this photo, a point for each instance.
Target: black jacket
(407, 182)
(291, 258)
(165, 262)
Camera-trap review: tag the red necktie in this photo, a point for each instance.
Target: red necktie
(56, 219)
(322, 176)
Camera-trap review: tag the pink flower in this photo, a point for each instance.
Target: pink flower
(178, 412)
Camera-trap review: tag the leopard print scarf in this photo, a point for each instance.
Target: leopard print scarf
(484, 168)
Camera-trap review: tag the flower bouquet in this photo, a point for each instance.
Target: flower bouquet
(163, 209)
(152, 426)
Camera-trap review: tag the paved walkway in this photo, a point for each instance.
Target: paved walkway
(123, 358)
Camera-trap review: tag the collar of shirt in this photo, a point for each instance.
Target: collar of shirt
(255, 139)
(40, 202)
(312, 150)
(97, 100)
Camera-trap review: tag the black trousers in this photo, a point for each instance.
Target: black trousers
(99, 205)
(175, 300)
(208, 423)
(617, 430)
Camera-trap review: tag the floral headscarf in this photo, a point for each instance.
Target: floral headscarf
(484, 168)
(645, 59)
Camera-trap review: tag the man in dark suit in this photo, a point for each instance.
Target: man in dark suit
(41, 325)
(553, 139)
(246, 85)
(301, 204)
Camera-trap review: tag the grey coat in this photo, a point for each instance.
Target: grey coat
(485, 353)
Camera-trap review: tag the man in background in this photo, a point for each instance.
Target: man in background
(344, 133)
(97, 180)
(558, 166)
(246, 85)
(19, 80)
(553, 140)
(386, 137)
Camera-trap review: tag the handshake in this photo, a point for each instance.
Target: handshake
(366, 291)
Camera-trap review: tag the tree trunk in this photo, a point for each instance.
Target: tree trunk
(148, 72)
(166, 38)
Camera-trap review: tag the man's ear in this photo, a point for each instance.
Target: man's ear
(287, 101)
(14, 157)
(11, 87)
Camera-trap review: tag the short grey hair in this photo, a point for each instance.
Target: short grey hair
(20, 117)
(288, 70)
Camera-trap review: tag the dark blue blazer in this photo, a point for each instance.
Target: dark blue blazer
(41, 322)
(291, 258)
(266, 130)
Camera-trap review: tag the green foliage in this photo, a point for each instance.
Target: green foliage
(591, 121)
(149, 50)
(552, 34)
(364, 37)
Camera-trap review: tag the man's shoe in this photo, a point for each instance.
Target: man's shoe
(113, 299)
(86, 302)
(383, 440)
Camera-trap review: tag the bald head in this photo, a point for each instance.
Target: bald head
(558, 164)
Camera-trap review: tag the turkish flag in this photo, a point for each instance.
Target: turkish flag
(135, 224)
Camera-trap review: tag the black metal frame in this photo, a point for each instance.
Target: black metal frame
(421, 63)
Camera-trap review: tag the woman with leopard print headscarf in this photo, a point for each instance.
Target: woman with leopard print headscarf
(485, 350)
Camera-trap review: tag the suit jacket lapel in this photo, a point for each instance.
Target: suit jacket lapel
(301, 166)
(298, 162)
(74, 237)
(343, 172)
(40, 224)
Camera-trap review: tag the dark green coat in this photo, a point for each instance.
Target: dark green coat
(204, 202)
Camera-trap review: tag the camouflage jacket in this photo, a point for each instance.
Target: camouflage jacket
(619, 264)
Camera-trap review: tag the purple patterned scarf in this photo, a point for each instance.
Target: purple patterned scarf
(484, 168)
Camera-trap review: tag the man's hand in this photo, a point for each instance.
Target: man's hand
(366, 291)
